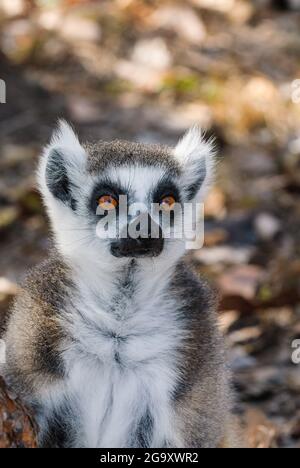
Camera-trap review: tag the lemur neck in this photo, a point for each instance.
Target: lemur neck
(136, 280)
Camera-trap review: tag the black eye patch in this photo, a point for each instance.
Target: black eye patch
(166, 188)
(105, 188)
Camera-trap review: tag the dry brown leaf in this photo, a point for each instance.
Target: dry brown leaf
(260, 431)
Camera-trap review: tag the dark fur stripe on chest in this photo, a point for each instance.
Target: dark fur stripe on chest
(144, 432)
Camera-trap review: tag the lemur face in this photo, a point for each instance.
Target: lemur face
(120, 200)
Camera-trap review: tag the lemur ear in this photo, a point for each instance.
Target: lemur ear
(197, 157)
(62, 164)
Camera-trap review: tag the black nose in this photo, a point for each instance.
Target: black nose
(137, 248)
(148, 243)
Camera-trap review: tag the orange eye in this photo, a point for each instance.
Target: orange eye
(107, 202)
(168, 203)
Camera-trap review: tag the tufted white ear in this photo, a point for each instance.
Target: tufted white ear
(64, 137)
(197, 157)
(62, 165)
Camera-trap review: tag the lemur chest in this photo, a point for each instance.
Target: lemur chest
(122, 376)
(128, 338)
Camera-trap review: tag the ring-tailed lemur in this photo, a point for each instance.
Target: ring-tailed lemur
(114, 343)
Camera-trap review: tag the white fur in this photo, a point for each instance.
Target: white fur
(111, 399)
(66, 140)
(193, 151)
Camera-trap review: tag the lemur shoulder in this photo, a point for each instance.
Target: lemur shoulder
(114, 342)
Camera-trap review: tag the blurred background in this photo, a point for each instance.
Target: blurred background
(147, 70)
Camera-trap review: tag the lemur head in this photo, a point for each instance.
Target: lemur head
(86, 186)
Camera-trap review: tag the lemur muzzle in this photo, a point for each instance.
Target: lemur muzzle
(142, 237)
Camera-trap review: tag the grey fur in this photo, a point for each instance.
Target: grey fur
(33, 334)
(118, 153)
